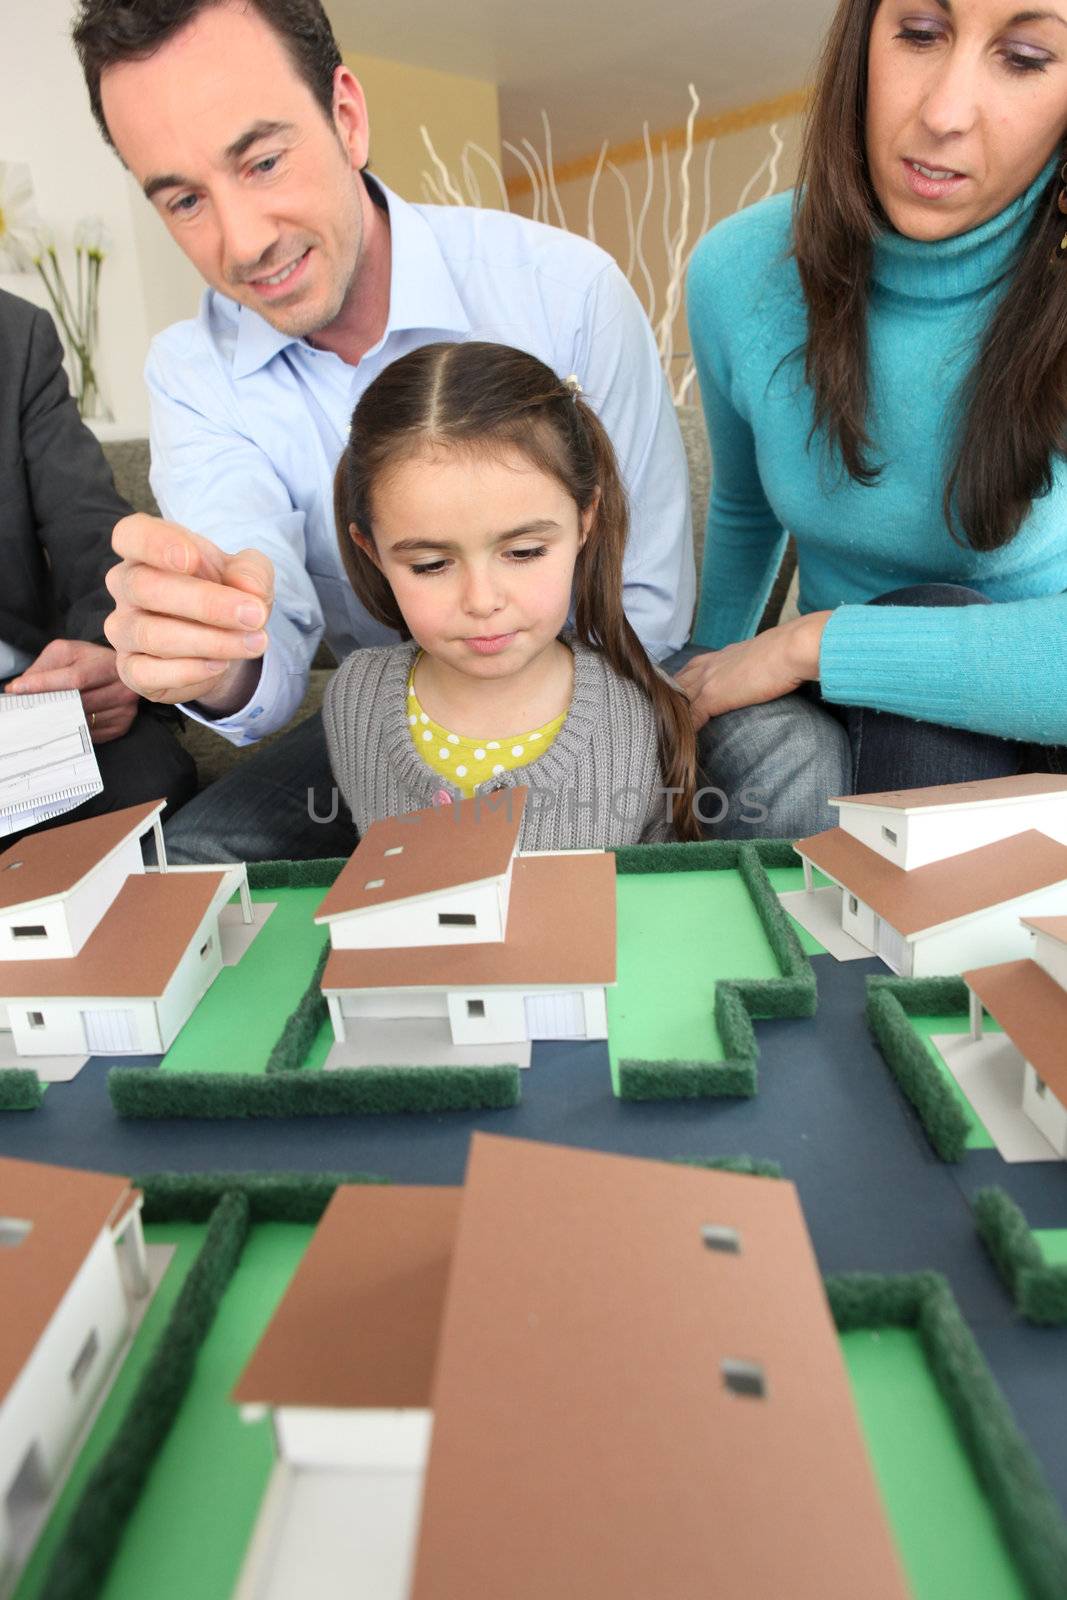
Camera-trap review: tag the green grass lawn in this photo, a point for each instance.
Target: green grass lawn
(925, 1027)
(946, 1532)
(237, 1023)
(678, 933)
(1053, 1245)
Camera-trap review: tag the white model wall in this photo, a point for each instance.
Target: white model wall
(52, 946)
(42, 1405)
(504, 1021)
(63, 1033)
(1050, 954)
(866, 826)
(394, 1004)
(403, 927)
(990, 937)
(193, 977)
(89, 902)
(933, 835)
(859, 923)
(1045, 1111)
(392, 1438)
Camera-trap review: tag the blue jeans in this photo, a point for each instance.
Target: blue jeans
(278, 803)
(791, 756)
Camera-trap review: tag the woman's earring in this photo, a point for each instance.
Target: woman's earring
(1060, 253)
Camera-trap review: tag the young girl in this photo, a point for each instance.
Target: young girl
(478, 503)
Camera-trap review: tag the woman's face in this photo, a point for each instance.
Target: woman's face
(966, 101)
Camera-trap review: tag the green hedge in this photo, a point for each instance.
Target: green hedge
(20, 1089)
(271, 1196)
(1006, 1467)
(149, 1092)
(302, 1024)
(1038, 1289)
(748, 1166)
(890, 1003)
(737, 1000)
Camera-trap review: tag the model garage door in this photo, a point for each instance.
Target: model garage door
(555, 1016)
(109, 1032)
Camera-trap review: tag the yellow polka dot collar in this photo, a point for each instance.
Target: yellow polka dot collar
(467, 762)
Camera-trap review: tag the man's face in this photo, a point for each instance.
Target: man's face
(259, 188)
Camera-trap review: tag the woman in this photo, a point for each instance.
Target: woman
(883, 366)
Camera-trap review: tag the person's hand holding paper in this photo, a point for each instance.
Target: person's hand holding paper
(91, 669)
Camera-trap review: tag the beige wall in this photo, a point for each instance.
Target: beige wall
(735, 158)
(454, 110)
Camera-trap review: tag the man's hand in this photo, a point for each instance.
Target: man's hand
(188, 620)
(92, 669)
(772, 664)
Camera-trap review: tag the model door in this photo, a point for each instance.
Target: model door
(892, 948)
(555, 1016)
(109, 1033)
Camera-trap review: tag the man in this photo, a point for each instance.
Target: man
(57, 508)
(250, 137)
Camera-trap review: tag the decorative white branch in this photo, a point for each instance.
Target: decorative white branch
(659, 282)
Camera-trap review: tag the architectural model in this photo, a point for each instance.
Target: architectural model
(598, 1341)
(436, 921)
(1029, 1000)
(72, 1271)
(935, 880)
(98, 954)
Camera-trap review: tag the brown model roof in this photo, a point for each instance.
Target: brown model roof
(1054, 927)
(360, 1321)
(542, 946)
(1031, 1007)
(945, 891)
(585, 1440)
(133, 950)
(439, 848)
(43, 865)
(68, 1210)
(1022, 786)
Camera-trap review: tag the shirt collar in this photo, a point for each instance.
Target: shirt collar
(421, 292)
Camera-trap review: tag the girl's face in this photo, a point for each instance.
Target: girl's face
(479, 551)
(966, 101)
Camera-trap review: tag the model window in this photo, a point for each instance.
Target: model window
(29, 930)
(887, 833)
(205, 948)
(745, 1378)
(476, 1008)
(36, 1019)
(853, 904)
(395, 850)
(86, 1357)
(1041, 1086)
(13, 1230)
(456, 919)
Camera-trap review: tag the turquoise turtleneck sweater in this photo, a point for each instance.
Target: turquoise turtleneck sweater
(998, 669)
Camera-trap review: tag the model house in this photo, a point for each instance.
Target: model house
(1029, 1000)
(436, 917)
(912, 827)
(97, 953)
(961, 911)
(72, 1267)
(544, 1384)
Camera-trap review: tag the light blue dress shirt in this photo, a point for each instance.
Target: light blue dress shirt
(247, 424)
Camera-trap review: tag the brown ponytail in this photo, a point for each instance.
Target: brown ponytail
(485, 395)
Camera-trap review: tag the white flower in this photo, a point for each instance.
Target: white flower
(18, 217)
(92, 236)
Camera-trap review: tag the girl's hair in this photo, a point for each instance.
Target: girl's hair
(1014, 401)
(485, 397)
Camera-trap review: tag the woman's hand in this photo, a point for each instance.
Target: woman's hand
(764, 668)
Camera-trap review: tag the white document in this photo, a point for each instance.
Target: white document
(47, 761)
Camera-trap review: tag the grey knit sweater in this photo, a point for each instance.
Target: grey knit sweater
(597, 785)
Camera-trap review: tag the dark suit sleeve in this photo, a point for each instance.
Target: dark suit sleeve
(75, 503)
